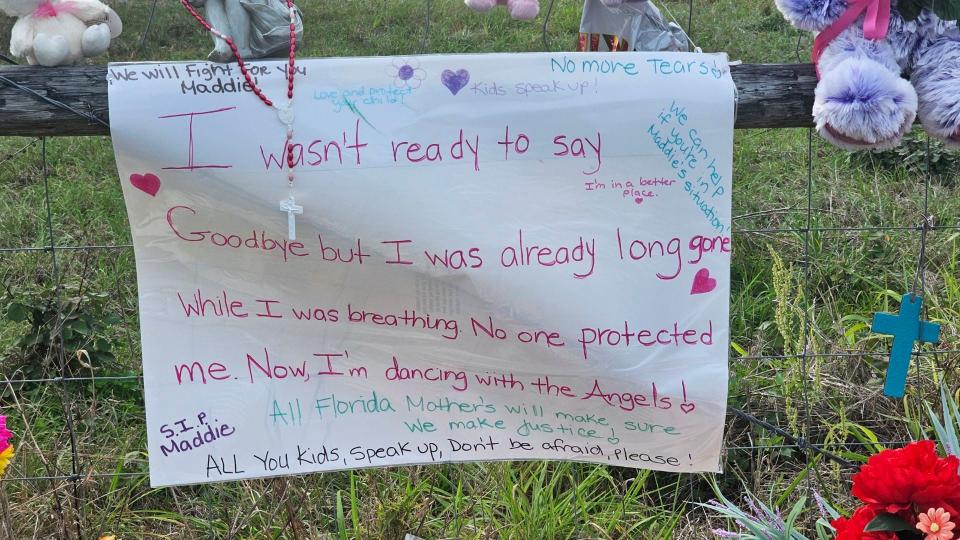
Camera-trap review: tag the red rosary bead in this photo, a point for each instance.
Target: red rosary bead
(243, 68)
(285, 114)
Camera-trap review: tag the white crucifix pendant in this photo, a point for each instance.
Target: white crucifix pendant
(290, 207)
(285, 113)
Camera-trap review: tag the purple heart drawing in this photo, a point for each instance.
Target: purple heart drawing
(455, 80)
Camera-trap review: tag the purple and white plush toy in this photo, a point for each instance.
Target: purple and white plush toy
(863, 51)
(522, 10)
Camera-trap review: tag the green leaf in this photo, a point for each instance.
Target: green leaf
(34, 339)
(18, 312)
(793, 515)
(80, 326)
(888, 522)
(100, 357)
(341, 520)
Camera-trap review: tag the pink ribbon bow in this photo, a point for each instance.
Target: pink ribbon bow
(875, 24)
(48, 8)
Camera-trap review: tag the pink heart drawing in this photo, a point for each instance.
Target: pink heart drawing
(687, 408)
(148, 183)
(702, 282)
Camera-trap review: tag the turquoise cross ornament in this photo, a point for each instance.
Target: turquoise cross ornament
(906, 329)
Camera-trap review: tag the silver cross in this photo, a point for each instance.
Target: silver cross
(290, 207)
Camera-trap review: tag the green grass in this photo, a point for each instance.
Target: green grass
(853, 274)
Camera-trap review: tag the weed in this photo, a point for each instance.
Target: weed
(60, 324)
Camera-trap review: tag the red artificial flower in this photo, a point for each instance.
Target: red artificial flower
(852, 528)
(909, 480)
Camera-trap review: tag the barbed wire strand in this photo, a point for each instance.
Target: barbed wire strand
(919, 278)
(575, 467)
(774, 230)
(65, 394)
(687, 30)
(425, 37)
(807, 316)
(59, 104)
(21, 150)
(808, 308)
(799, 443)
(750, 358)
(546, 27)
(796, 444)
(147, 27)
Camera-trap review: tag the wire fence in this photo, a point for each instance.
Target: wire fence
(765, 424)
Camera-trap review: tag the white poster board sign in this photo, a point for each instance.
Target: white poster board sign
(503, 256)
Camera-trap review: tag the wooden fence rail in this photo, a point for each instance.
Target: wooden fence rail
(769, 96)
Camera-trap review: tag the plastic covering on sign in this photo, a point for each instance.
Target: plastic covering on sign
(269, 22)
(473, 261)
(634, 25)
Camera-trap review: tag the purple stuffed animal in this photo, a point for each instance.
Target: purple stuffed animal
(863, 51)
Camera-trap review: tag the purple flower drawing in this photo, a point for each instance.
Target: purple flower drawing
(407, 73)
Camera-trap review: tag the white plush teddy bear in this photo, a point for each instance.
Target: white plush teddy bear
(57, 33)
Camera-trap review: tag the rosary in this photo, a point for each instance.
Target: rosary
(284, 112)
